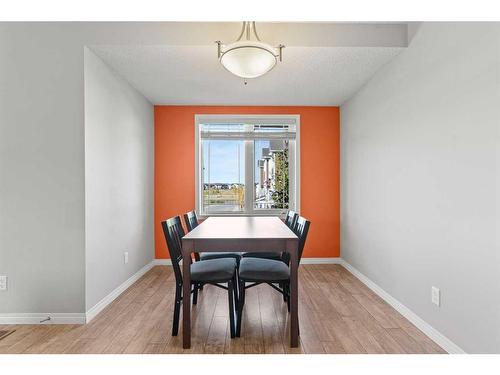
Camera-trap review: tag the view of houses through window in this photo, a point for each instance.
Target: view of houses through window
(271, 174)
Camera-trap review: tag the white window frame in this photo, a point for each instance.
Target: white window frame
(294, 165)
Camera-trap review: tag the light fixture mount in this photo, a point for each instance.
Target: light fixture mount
(249, 57)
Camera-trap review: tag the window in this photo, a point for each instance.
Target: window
(246, 165)
(223, 176)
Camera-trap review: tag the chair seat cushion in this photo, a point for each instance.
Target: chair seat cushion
(257, 269)
(208, 256)
(264, 255)
(214, 270)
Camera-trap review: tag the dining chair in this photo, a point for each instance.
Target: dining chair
(192, 222)
(268, 271)
(290, 220)
(214, 272)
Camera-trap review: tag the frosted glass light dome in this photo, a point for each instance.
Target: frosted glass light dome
(248, 59)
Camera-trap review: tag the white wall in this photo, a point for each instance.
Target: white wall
(419, 180)
(42, 166)
(41, 170)
(119, 175)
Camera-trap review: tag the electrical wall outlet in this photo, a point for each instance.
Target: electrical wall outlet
(3, 282)
(125, 257)
(435, 296)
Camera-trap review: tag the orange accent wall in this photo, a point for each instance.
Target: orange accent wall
(319, 169)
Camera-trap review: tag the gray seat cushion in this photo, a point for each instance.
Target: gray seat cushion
(264, 255)
(215, 270)
(258, 269)
(208, 256)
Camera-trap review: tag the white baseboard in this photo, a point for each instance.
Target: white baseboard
(42, 318)
(99, 306)
(321, 261)
(162, 262)
(422, 325)
(75, 318)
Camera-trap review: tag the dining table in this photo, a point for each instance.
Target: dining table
(242, 234)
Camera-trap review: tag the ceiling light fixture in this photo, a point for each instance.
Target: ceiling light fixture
(249, 58)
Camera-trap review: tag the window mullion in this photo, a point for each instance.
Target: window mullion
(201, 178)
(291, 175)
(249, 179)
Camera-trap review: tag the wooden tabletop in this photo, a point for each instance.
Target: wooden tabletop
(241, 227)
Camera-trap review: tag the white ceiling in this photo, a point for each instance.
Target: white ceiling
(192, 75)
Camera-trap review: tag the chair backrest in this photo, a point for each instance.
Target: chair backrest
(173, 231)
(301, 229)
(291, 219)
(191, 220)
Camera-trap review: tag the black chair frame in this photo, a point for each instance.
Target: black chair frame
(283, 286)
(291, 219)
(173, 231)
(192, 222)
